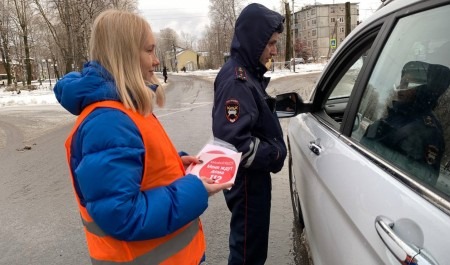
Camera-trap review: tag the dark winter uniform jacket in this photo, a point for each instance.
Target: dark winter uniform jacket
(241, 113)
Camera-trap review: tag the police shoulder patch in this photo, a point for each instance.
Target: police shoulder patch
(232, 110)
(428, 121)
(240, 73)
(431, 153)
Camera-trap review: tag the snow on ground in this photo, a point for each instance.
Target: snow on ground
(43, 95)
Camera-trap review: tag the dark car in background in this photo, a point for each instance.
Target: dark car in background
(369, 152)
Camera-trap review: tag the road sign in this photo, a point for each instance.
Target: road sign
(333, 43)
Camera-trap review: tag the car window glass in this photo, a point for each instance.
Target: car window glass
(345, 86)
(337, 101)
(404, 116)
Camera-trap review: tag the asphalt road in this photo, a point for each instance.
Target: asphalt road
(39, 220)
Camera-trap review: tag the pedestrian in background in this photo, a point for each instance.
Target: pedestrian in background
(165, 74)
(243, 115)
(137, 204)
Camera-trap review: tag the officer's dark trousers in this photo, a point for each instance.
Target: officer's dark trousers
(249, 201)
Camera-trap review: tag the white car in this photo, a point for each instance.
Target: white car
(297, 61)
(369, 152)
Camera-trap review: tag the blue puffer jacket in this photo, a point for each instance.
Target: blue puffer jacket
(107, 163)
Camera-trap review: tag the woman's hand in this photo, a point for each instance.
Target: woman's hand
(212, 187)
(187, 160)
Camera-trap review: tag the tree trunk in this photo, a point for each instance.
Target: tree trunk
(27, 55)
(6, 61)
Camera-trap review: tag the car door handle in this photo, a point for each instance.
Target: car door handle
(315, 147)
(404, 252)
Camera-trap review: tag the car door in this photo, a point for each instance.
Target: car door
(361, 205)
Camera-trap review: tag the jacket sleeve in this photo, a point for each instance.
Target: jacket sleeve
(108, 177)
(258, 152)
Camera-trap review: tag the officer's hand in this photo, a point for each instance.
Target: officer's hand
(187, 160)
(212, 187)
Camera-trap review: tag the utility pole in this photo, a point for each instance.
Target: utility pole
(287, 56)
(348, 19)
(293, 33)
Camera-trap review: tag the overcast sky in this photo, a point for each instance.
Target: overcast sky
(192, 16)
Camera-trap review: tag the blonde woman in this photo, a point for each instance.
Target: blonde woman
(137, 204)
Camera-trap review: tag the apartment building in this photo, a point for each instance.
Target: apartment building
(319, 29)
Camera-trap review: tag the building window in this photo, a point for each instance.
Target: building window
(314, 44)
(313, 32)
(341, 29)
(341, 20)
(332, 10)
(313, 11)
(333, 20)
(313, 22)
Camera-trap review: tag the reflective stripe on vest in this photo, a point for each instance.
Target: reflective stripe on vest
(161, 252)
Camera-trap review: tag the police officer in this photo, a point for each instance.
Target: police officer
(243, 115)
(410, 135)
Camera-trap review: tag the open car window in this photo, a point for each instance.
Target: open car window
(345, 86)
(337, 101)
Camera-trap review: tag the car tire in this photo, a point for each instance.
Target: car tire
(295, 199)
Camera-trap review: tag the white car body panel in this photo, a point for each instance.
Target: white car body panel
(342, 192)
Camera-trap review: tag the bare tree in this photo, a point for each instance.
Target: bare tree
(23, 14)
(219, 34)
(223, 14)
(70, 26)
(4, 39)
(168, 40)
(302, 50)
(124, 4)
(187, 40)
(59, 28)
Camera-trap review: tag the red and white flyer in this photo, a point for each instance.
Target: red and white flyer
(219, 164)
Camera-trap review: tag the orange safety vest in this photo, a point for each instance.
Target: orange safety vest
(184, 246)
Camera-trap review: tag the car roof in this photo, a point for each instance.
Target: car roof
(390, 6)
(386, 8)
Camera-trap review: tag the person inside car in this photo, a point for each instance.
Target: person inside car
(410, 134)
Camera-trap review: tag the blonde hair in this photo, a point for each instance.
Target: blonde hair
(116, 41)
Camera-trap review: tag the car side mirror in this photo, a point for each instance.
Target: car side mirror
(289, 105)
